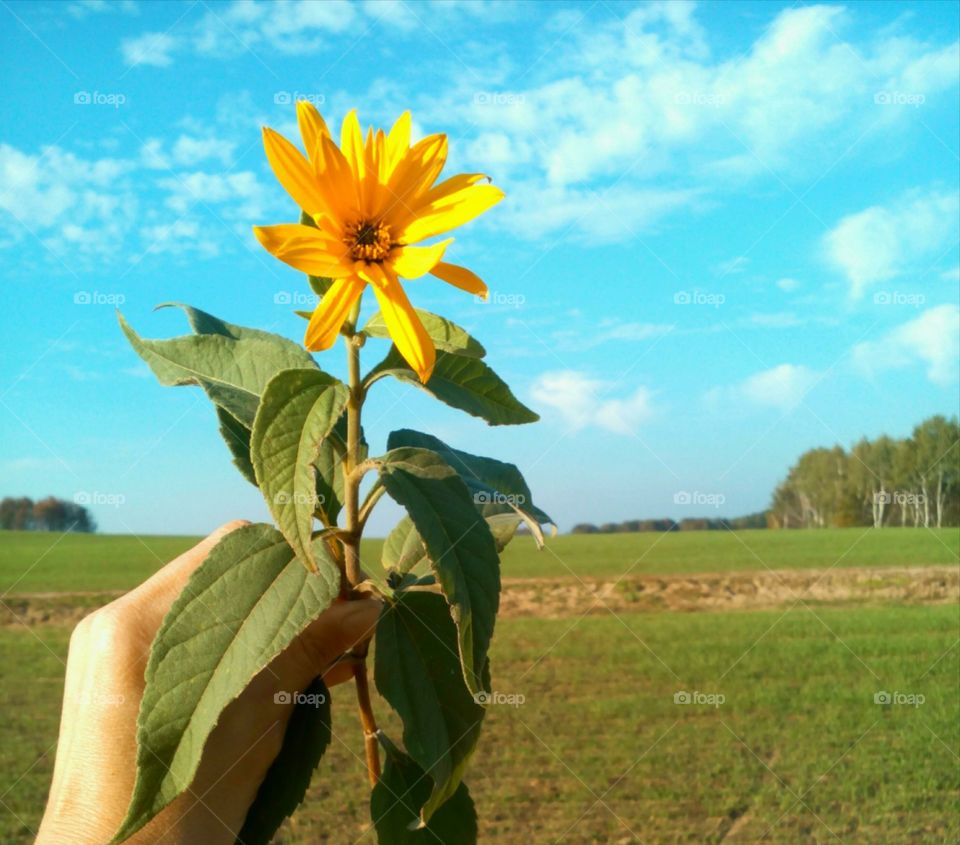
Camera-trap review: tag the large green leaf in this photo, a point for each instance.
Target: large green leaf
(497, 487)
(461, 549)
(283, 789)
(417, 670)
(297, 411)
(241, 608)
(237, 437)
(467, 384)
(400, 793)
(203, 323)
(232, 370)
(446, 335)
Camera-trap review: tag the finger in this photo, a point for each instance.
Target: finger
(336, 631)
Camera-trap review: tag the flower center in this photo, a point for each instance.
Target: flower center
(368, 240)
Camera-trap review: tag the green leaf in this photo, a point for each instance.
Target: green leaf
(297, 411)
(318, 284)
(461, 549)
(446, 335)
(497, 487)
(400, 793)
(285, 786)
(467, 384)
(241, 608)
(417, 670)
(237, 437)
(403, 548)
(232, 370)
(203, 323)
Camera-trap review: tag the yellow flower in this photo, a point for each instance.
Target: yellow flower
(372, 201)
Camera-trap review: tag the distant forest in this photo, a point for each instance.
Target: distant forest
(50, 514)
(884, 482)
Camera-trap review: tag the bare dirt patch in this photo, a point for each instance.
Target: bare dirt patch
(572, 596)
(730, 591)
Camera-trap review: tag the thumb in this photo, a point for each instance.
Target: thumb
(335, 632)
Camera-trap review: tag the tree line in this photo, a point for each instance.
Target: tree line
(49, 514)
(693, 523)
(883, 482)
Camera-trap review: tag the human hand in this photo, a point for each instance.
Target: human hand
(95, 767)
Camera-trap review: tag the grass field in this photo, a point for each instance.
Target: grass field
(599, 752)
(32, 562)
(797, 751)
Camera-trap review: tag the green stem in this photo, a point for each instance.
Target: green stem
(354, 529)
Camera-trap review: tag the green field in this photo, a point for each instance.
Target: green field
(798, 752)
(32, 562)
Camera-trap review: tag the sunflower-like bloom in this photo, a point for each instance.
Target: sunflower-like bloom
(372, 201)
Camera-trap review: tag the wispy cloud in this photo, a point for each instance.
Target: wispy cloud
(581, 401)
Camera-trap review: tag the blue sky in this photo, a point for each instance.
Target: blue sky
(730, 233)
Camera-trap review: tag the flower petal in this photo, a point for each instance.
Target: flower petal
(406, 330)
(336, 183)
(351, 143)
(398, 142)
(450, 212)
(412, 262)
(312, 125)
(460, 277)
(413, 175)
(293, 172)
(305, 248)
(330, 314)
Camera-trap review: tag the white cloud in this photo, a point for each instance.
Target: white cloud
(932, 340)
(151, 48)
(787, 285)
(782, 387)
(578, 400)
(95, 210)
(883, 242)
